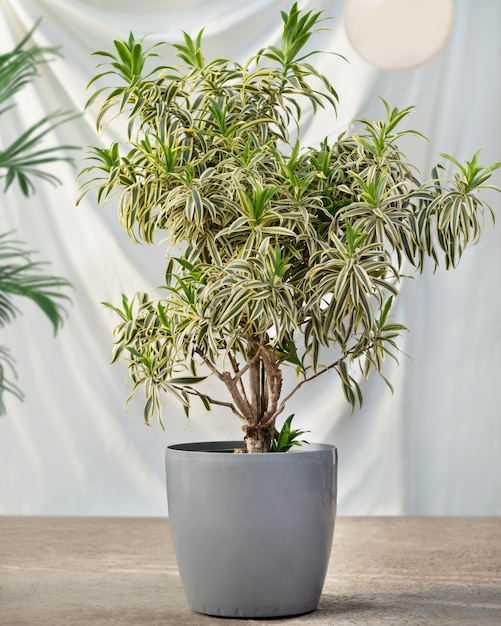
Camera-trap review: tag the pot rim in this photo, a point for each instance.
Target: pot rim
(226, 449)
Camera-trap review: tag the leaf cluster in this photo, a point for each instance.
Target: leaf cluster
(287, 437)
(22, 162)
(291, 255)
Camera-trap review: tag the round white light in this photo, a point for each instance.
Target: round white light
(398, 34)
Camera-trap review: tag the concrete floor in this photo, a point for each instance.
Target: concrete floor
(103, 571)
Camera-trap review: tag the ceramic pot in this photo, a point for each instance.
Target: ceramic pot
(252, 532)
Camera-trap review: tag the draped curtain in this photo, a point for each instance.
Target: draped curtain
(73, 447)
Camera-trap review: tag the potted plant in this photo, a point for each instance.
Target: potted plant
(282, 256)
(21, 162)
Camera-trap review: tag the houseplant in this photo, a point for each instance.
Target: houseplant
(281, 255)
(23, 161)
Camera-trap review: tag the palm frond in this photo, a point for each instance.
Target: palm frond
(22, 277)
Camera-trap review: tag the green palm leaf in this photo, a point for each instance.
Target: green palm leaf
(21, 162)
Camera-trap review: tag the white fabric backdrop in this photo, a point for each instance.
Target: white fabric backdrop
(434, 447)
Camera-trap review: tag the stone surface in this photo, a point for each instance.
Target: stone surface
(122, 571)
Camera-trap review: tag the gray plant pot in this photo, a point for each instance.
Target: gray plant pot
(252, 532)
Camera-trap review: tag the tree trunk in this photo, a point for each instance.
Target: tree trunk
(257, 439)
(265, 383)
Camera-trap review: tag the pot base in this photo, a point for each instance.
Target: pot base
(252, 612)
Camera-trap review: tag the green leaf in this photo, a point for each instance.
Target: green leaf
(287, 437)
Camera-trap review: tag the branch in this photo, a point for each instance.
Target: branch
(240, 372)
(273, 384)
(238, 375)
(241, 402)
(212, 368)
(307, 380)
(194, 392)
